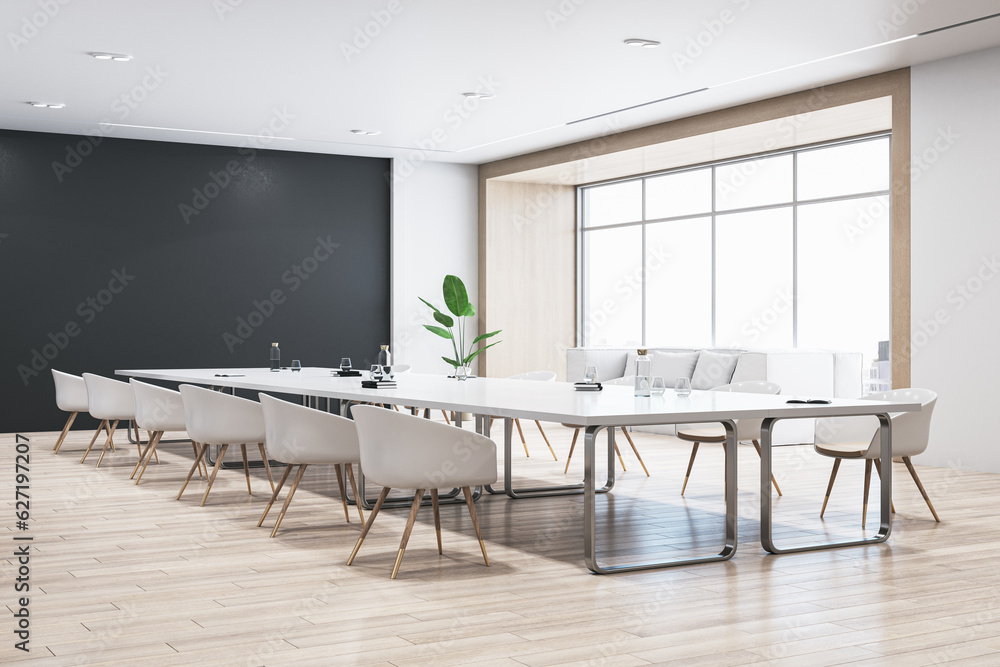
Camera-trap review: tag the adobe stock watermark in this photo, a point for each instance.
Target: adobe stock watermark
(88, 310)
(958, 298)
(365, 33)
(453, 118)
(294, 277)
(218, 181)
(562, 12)
(712, 29)
(900, 15)
(629, 285)
(121, 108)
(34, 23)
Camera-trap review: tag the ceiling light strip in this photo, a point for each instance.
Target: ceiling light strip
(637, 106)
(957, 25)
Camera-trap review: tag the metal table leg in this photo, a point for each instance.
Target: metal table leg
(590, 508)
(555, 490)
(885, 500)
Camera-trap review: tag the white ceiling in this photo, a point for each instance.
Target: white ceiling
(225, 70)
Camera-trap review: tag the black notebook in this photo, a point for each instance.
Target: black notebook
(814, 401)
(383, 384)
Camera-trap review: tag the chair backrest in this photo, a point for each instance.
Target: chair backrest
(157, 408)
(297, 434)
(406, 452)
(109, 399)
(910, 430)
(214, 418)
(749, 429)
(535, 376)
(71, 392)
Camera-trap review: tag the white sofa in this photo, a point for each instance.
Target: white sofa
(799, 372)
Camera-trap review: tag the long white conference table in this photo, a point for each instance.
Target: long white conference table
(615, 406)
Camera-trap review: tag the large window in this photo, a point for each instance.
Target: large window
(776, 250)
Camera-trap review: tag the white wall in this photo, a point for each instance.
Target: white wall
(955, 236)
(435, 231)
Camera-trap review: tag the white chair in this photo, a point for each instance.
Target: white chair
(157, 410)
(110, 401)
(853, 438)
(534, 376)
(746, 429)
(628, 380)
(71, 397)
(297, 435)
(403, 451)
(214, 418)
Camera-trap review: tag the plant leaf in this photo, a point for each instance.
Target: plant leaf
(444, 333)
(431, 305)
(470, 311)
(455, 296)
(444, 319)
(451, 361)
(482, 349)
(485, 335)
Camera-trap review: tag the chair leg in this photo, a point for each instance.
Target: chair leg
(687, 476)
(288, 499)
(138, 443)
(829, 487)
(524, 443)
(201, 465)
(636, 451)
(446, 417)
(913, 474)
(267, 465)
(143, 453)
(475, 522)
(572, 446)
(414, 508)
(152, 452)
(65, 430)
(274, 494)
(103, 425)
(437, 517)
(215, 471)
(155, 455)
(108, 442)
(343, 495)
(756, 445)
(246, 467)
(546, 439)
(878, 469)
(368, 524)
(354, 487)
(868, 479)
(199, 455)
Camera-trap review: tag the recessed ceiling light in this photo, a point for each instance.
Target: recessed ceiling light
(479, 96)
(47, 105)
(644, 43)
(117, 57)
(367, 133)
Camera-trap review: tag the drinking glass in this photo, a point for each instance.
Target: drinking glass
(376, 372)
(461, 373)
(658, 386)
(345, 364)
(590, 374)
(682, 386)
(296, 365)
(387, 372)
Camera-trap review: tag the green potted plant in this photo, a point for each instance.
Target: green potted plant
(456, 300)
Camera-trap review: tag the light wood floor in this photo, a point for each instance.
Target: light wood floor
(128, 575)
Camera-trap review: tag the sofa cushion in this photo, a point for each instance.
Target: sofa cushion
(714, 369)
(672, 365)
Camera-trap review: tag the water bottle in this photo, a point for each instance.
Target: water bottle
(643, 366)
(275, 358)
(384, 356)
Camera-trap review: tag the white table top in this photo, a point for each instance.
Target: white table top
(546, 401)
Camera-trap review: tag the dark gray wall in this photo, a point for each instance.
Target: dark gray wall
(137, 254)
